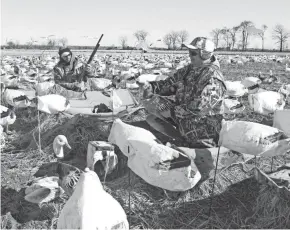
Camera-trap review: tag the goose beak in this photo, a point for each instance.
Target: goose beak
(67, 145)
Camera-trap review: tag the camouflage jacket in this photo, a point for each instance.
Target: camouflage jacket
(198, 91)
(70, 73)
(198, 97)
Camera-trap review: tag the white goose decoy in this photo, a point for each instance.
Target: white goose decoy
(43, 190)
(91, 207)
(150, 77)
(266, 102)
(42, 88)
(232, 106)
(59, 142)
(52, 103)
(10, 80)
(1, 131)
(168, 65)
(285, 89)
(253, 138)
(165, 70)
(252, 84)
(240, 62)
(235, 88)
(99, 83)
(132, 85)
(287, 69)
(8, 117)
(16, 98)
(149, 66)
(228, 60)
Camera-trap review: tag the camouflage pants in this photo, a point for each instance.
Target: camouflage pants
(69, 94)
(75, 86)
(199, 132)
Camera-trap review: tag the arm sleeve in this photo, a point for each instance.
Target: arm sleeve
(168, 86)
(211, 97)
(90, 73)
(58, 74)
(79, 68)
(210, 100)
(75, 73)
(93, 71)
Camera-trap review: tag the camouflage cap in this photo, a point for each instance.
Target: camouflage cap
(201, 43)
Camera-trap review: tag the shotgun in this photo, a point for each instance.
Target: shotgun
(83, 74)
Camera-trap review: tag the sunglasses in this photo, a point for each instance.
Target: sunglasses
(64, 56)
(193, 52)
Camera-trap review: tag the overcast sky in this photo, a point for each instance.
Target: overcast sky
(23, 19)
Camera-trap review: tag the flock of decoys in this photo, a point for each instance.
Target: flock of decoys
(89, 206)
(85, 191)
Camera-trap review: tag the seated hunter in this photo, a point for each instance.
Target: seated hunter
(68, 71)
(199, 90)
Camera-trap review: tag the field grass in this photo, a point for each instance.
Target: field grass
(234, 205)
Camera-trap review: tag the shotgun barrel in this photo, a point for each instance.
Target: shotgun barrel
(82, 76)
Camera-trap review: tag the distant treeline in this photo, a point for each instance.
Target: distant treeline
(44, 47)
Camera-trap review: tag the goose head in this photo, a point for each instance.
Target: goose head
(58, 143)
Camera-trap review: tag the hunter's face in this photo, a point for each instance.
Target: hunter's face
(195, 59)
(66, 57)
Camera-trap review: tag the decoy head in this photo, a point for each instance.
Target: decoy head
(58, 143)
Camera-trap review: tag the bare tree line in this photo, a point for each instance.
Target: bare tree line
(238, 37)
(48, 43)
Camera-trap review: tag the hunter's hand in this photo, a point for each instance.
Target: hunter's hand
(88, 68)
(146, 89)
